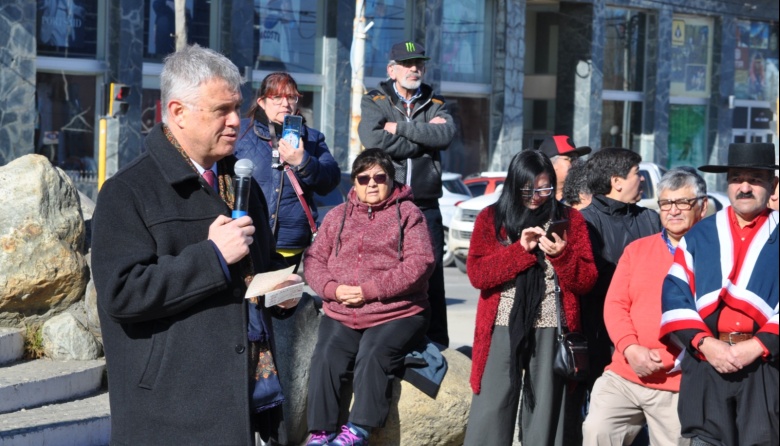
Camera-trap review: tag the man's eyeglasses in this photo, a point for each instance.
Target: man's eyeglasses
(380, 178)
(277, 100)
(543, 192)
(683, 204)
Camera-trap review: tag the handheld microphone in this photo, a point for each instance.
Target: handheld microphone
(242, 181)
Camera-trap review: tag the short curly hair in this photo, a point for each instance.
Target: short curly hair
(576, 183)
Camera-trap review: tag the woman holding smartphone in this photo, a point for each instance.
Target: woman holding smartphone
(278, 164)
(516, 268)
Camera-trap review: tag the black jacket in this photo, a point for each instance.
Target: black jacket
(612, 226)
(174, 328)
(416, 145)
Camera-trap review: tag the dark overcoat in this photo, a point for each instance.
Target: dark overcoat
(174, 327)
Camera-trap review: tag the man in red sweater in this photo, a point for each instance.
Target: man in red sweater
(638, 386)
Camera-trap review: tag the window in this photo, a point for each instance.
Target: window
(624, 50)
(755, 57)
(389, 28)
(468, 152)
(65, 133)
(621, 123)
(67, 28)
(690, 90)
(286, 35)
(465, 54)
(160, 21)
(624, 75)
(687, 135)
(691, 56)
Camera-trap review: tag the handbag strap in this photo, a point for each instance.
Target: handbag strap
(301, 198)
(559, 330)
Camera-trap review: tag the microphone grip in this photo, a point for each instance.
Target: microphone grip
(241, 203)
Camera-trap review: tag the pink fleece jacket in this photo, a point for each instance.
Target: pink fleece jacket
(632, 309)
(384, 248)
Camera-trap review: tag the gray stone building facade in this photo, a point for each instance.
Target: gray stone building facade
(673, 80)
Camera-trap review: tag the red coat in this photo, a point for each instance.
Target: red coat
(491, 264)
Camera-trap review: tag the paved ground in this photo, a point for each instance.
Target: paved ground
(461, 307)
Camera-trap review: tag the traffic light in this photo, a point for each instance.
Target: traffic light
(117, 99)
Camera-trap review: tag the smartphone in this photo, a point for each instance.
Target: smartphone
(557, 227)
(291, 129)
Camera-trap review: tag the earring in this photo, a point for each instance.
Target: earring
(619, 189)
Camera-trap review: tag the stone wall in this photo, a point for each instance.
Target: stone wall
(17, 79)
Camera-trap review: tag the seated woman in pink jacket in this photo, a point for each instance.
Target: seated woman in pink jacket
(370, 264)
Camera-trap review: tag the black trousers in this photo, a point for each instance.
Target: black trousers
(437, 331)
(375, 354)
(729, 409)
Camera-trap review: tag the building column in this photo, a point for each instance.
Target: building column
(655, 110)
(578, 104)
(125, 65)
(17, 84)
(506, 101)
(337, 79)
(721, 117)
(238, 40)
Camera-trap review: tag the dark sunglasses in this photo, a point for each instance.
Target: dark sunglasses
(380, 178)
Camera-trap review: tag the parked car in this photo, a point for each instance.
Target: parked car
(462, 225)
(652, 174)
(453, 192)
(484, 182)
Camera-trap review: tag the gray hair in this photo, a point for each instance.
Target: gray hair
(185, 70)
(681, 177)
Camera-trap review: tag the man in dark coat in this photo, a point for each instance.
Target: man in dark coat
(409, 122)
(170, 269)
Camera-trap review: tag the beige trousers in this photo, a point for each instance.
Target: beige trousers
(619, 408)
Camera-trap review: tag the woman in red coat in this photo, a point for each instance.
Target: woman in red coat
(514, 265)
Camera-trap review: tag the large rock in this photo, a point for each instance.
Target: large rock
(414, 419)
(42, 268)
(65, 338)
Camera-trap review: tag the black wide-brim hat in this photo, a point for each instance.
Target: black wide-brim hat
(748, 155)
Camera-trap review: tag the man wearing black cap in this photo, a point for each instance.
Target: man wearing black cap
(404, 118)
(561, 151)
(720, 306)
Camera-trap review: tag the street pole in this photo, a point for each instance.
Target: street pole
(181, 24)
(357, 59)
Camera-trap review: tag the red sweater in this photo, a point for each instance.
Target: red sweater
(491, 264)
(632, 309)
(395, 285)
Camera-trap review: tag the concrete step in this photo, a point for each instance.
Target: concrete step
(28, 384)
(11, 344)
(84, 422)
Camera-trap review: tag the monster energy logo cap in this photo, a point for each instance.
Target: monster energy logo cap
(406, 51)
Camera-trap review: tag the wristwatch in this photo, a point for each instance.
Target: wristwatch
(701, 341)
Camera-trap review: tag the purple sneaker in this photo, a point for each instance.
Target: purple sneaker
(351, 435)
(320, 438)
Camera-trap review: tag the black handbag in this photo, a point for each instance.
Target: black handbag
(571, 349)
